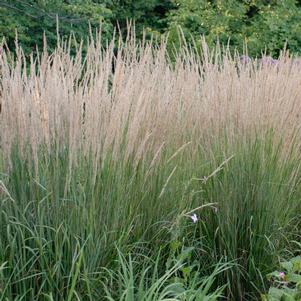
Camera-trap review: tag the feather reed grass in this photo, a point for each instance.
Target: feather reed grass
(93, 156)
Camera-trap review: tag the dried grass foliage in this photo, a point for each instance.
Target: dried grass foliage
(145, 101)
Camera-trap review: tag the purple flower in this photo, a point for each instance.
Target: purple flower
(244, 59)
(281, 275)
(194, 218)
(268, 61)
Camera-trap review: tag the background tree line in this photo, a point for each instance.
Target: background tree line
(262, 24)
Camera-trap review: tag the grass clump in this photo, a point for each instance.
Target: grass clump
(192, 169)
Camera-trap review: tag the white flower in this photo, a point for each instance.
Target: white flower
(194, 218)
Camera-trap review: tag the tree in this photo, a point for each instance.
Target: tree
(259, 23)
(146, 14)
(32, 18)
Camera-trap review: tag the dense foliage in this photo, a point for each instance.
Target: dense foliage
(285, 284)
(31, 18)
(262, 24)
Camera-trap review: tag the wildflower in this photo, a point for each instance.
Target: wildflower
(268, 61)
(194, 218)
(281, 275)
(244, 59)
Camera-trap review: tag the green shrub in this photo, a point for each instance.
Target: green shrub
(286, 284)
